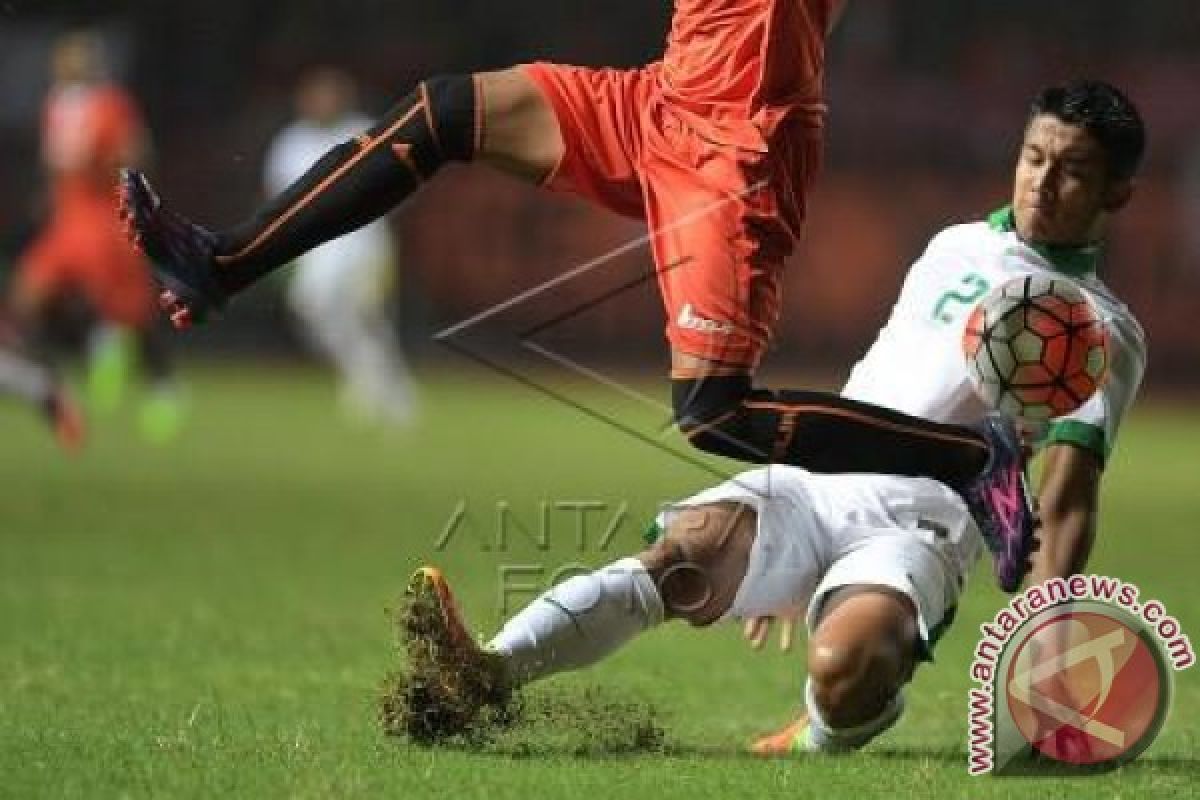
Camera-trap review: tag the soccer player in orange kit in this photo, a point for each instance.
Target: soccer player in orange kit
(80, 264)
(715, 146)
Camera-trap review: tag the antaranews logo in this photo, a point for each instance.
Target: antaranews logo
(1074, 675)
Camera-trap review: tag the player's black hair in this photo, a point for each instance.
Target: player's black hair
(1104, 112)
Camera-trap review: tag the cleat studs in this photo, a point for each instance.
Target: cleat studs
(181, 318)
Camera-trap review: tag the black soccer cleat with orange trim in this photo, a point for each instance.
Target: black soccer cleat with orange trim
(181, 252)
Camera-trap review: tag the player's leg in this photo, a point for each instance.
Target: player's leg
(40, 387)
(118, 294)
(23, 374)
(859, 658)
(879, 609)
(692, 573)
(340, 302)
(862, 653)
(501, 118)
(720, 411)
(163, 410)
(382, 378)
(745, 548)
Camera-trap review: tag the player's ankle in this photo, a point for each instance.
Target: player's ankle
(821, 737)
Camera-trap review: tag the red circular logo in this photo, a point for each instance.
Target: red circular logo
(1086, 688)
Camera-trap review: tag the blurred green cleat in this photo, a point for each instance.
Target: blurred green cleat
(111, 361)
(162, 415)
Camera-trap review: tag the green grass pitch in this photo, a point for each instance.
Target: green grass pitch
(208, 619)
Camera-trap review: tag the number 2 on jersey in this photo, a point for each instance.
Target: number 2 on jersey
(974, 286)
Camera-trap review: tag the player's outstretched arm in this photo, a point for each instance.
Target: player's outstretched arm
(1068, 499)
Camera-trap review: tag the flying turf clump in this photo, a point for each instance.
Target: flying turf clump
(449, 691)
(444, 690)
(582, 722)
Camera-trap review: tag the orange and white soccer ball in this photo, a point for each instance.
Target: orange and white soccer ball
(1036, 348)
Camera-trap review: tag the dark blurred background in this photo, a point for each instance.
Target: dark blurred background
(927, 102)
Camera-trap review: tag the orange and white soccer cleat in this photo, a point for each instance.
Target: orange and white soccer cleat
(789, 740)
(451, 680)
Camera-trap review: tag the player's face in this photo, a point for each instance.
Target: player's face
(76, 58)
(1062, 189)
(325, 97)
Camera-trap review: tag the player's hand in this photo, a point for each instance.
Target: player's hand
(757, 629)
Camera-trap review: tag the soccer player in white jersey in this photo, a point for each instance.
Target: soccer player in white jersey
(876, 563)
(1082, 146)
(339, 292)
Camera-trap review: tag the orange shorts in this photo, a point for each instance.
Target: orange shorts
(83, 251)
(722, 219)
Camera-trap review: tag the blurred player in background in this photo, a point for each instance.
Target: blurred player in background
(79, 279)
(876, 564)
(716, 147)
(340, 291)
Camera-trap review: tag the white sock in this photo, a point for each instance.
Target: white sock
(24, 378)
(580, 621)
(824, 739)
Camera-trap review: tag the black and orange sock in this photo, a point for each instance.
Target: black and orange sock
(359, 180)
(822, 432)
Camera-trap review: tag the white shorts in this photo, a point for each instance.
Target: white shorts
(819, 533)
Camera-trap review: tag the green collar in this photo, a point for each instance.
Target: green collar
(1072, 260)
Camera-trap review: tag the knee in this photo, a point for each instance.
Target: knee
(453, 115)
(701, 562)
(852, 682)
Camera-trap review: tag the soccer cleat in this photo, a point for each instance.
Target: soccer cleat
(433, 613)
(65, 419)
(789, 740)
(1000, 502)
(181, 252)
(451, 680)
(111, 362)
(161, 416)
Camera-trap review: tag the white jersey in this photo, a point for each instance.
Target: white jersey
(916, 365)
(296, 148)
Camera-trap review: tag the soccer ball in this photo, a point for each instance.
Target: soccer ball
(1036, 348)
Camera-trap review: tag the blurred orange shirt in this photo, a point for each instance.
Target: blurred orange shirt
(87, 132)
(736, 69)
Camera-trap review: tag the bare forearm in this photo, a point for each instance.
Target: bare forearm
(1068, 502)
(1066, 542)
